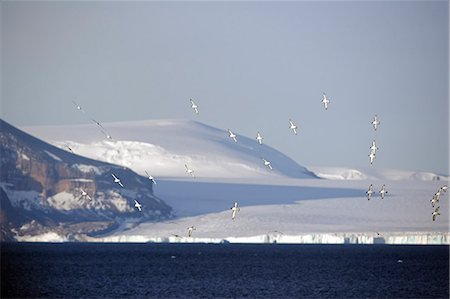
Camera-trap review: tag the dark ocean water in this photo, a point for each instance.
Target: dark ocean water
(72, 270)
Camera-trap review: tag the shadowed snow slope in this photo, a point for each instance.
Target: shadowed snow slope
(163, 147)
(298, 211)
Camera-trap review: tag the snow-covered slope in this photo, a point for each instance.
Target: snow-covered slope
(298, 211)
(163, 147)
(342, 173)
(283, 205)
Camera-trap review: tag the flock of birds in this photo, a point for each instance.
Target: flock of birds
(259, 139)
(372, 155)
(435, 200)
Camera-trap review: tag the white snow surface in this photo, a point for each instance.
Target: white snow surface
(343, 173)
(50, 237)
(296, 211)
(284, 205)
(88, 168)
(163, 147)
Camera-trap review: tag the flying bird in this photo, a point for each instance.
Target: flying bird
(259, 138)
(194, 106)
(138, 205)
(369, 192)
(189, 171)
(117, 180)
(234, 210)
(267, 163)
(232, 135)
(85, 194)
(68, 147)
(325, 101)
(371, 157)
(383, 191)
(92, 119)
(190, 230)
(106, 134)
(78, 107)
(373, 148)
(435, 213)
(434, 200)
(150, 177)
(293, 127)
(437, 195)
(375, 122)
(97, 123)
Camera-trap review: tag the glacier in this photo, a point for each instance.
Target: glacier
(395, 238)
(291, 199)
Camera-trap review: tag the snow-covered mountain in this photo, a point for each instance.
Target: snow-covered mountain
(43, 186)
(163, 147)
(283, 205)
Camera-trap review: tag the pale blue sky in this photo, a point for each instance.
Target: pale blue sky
(249, 65)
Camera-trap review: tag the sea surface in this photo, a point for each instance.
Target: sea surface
(91, 270)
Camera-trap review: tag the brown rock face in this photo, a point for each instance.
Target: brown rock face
(44, 183)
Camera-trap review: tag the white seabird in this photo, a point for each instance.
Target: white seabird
(293, 127)
(434, 200)
(117, 180)
(106, 134)
(374, 147)
(383, 191)
(444, 188)
(267, 163)
(437, 194)
(68, 147)
(435, 213)
(194, 106)
(369, 192)
(232, 135)
(97, 123)
(375, 122)
(234, 210)
(190, 230)
(259, 138)
(85, 194)
(150, 177)
(325, 101)
(78, 107)
(138, 205)
(189, 171)
(371, 157)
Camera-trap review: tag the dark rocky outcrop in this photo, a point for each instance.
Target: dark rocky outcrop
(41, 187)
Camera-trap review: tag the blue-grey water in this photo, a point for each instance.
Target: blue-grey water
(73, 270)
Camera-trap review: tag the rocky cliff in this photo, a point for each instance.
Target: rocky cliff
(44, 187)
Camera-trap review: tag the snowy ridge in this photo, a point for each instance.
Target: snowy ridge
(342, 173)
(163, 147)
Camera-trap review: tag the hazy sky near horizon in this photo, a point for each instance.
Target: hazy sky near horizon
(250, 66)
